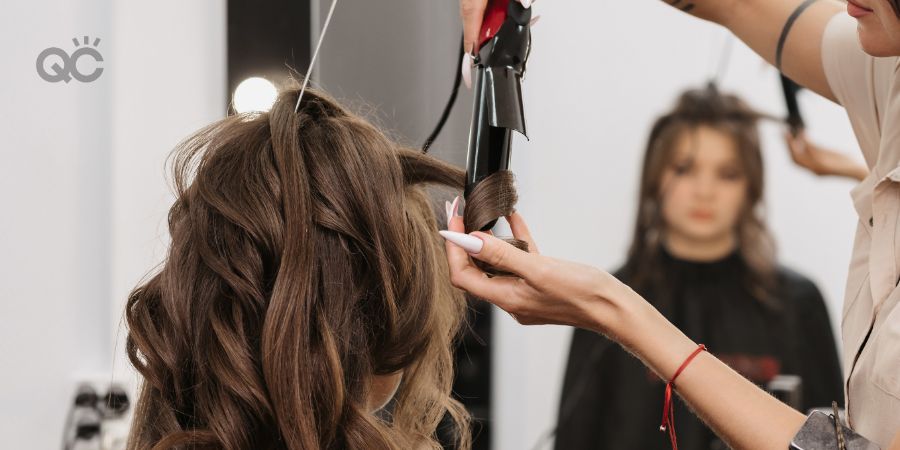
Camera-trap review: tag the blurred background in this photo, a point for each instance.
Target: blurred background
(84, 192)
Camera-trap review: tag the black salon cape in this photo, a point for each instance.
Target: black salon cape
(611, 401)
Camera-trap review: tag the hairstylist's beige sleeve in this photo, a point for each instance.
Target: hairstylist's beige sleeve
(870, 326)
(859, 81)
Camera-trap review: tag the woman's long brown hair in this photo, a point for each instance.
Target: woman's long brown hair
(731, 115)
(304, 261)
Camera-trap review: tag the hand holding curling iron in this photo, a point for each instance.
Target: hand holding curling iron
(821, 161)
(472, 12)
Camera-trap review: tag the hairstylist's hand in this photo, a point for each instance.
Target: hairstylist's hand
(472, 12)
(821, 161)
(549, 291)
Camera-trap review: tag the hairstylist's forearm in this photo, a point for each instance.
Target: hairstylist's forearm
(760, 24)
(553, 291)
(716, 11)
(743, 415)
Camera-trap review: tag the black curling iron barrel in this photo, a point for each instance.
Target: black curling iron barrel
(498, 109)
(794, 118)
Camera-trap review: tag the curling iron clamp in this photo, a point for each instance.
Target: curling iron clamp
(499, 66)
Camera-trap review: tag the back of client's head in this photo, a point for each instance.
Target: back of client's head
(304, 263)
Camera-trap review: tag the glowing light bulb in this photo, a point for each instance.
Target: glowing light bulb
(254, 94)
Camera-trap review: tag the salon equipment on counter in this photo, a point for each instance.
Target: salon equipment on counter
(788, 389)
(97, 422)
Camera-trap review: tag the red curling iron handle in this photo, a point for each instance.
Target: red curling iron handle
(494, 16)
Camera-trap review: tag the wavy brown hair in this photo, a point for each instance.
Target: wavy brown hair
(731, 115)
(304, 261)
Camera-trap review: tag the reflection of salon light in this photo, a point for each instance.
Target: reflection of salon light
(254, 94)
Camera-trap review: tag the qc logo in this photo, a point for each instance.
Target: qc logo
(65, 66)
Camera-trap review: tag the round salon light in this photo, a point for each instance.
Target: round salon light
(254, 94)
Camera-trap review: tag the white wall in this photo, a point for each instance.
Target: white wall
(170, 81)
(53, 191)
(598, 75)
(81, 186)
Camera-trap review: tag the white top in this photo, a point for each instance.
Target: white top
(869, 88)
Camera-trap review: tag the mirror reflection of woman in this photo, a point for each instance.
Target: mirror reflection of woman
(702, 255)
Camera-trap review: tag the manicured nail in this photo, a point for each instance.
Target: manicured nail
(448, 210)
(526, 3)
(470, 244)
(467, 70)
(534, 20)
(454, 207)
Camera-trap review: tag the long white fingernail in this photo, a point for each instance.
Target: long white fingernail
(470, 244)
(526, 3)
(454, 207)
(534, 20)
(467, 70)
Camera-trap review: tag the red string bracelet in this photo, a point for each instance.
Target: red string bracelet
(668, 419)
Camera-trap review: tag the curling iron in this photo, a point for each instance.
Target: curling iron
(499, 66)
(794, 118)
(502, 51)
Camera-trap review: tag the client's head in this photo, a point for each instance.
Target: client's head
(702, 181)
(304, 280)
(703, 167)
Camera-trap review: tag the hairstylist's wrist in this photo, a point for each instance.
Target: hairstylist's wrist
(658, 342)
(641, 329)
(637, 318)
(858, 172)
(618, 311)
